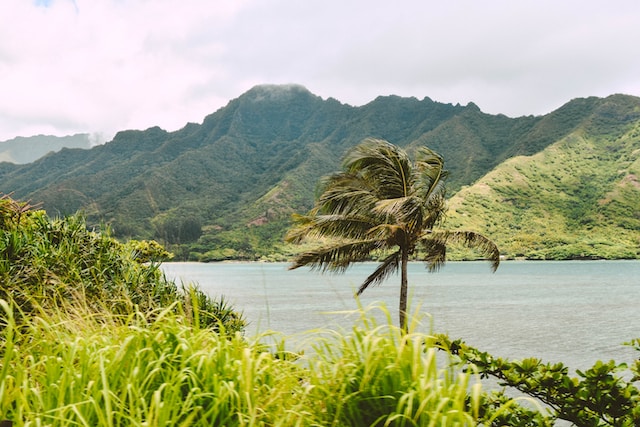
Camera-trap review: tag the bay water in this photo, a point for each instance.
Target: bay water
(575, 312)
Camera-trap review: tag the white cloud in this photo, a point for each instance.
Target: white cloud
(107, 65)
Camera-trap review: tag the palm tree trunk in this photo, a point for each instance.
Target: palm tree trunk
(403, 290)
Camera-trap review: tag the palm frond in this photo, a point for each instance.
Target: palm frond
(385, 233)
(406, 211)
(435, 253)
(386, 268)
(300, 230)
(436, 209)
(322, 226)
(336, 256)
(434, 240)
(383, 164)
(430, 174)
(344, 192)
(430, 163)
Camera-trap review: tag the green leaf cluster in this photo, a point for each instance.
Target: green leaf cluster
(599, 396)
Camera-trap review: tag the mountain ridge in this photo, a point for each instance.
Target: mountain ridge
(233, 181)
(22, 150)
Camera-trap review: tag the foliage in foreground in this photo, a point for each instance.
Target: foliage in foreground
(50, 264)
(155, 370)
(599, 396)
(89, 336)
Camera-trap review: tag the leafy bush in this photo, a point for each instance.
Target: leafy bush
(50, 264)
(599, 396)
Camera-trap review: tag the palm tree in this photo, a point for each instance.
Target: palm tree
(381, 202)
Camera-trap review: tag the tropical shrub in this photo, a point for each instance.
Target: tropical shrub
(49, 264)
(600, 396)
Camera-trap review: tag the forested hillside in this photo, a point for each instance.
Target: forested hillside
(226, 188)
(577, 198)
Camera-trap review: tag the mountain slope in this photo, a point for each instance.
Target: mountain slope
(577, 198)
(227, 187)
(216, 169)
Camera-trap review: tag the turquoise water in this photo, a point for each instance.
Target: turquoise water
(571, 312)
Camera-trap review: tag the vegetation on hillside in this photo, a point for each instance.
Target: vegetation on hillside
(577, 199)
(225, 189)
(58, 264)
(20, 150)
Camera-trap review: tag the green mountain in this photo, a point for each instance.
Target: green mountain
(226, 187)
(577, 198)
(28, 149)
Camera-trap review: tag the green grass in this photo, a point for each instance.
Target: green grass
(147, 371)
(377, 375)
(157, 370)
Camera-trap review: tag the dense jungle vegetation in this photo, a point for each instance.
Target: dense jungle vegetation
(226, 188)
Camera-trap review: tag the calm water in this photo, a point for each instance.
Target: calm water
(573, 312)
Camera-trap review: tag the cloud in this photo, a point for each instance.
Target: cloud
(107, 65)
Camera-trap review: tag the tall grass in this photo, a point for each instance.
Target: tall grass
(378, 375)
(147, 371)
(159, 371)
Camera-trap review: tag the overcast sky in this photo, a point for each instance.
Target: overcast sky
(106, 65)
